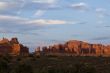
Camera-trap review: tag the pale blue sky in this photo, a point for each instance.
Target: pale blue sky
(44, 22)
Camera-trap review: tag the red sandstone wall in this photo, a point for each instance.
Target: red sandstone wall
(75, 47)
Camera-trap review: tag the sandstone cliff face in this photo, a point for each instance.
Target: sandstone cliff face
(4, 50)
(14, 41)
(12, 47)
(74, 47)
(4, 40)
(15, 49)
(106, 51)
(37, 51)
(24, 50)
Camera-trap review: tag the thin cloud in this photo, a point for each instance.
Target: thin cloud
(18, 7)
(8, 5)
(22, 33)
(47, 22)
(80, 6)
(2, 5)
(102, 12)
(39, 12)
(21, 6)
(25, 25)
(102, 38)
(44, 1)
(107, 26)
(20, 20)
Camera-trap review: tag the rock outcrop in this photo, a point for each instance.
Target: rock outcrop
(77, 48)
(12, 47)
(37, 51)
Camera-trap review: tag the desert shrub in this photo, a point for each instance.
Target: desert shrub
(3, 66)
(23, 68)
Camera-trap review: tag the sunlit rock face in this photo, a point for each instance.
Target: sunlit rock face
(4, 40)
(15, 49)
(12, 47)
(73, 46)
(78, 48)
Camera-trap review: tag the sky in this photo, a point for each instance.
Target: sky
(47, 22)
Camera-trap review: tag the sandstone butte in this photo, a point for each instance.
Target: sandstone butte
(75, 48)
(12, 47)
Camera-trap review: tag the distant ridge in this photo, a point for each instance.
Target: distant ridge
(76, 48)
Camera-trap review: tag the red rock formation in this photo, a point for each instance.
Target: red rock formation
(24, 50)
(85, 48)
(45, 50)
(15, 49)
(4, 40)
(12, 47)
(74, 47)
(98, 49)
(4, 50)
(14, 40)
(37, 51)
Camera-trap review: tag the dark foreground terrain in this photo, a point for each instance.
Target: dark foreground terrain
(54, 64)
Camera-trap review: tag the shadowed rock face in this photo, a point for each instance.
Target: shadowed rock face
(24, 50)
(74, 47)
(14, 41)
(12, 47)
